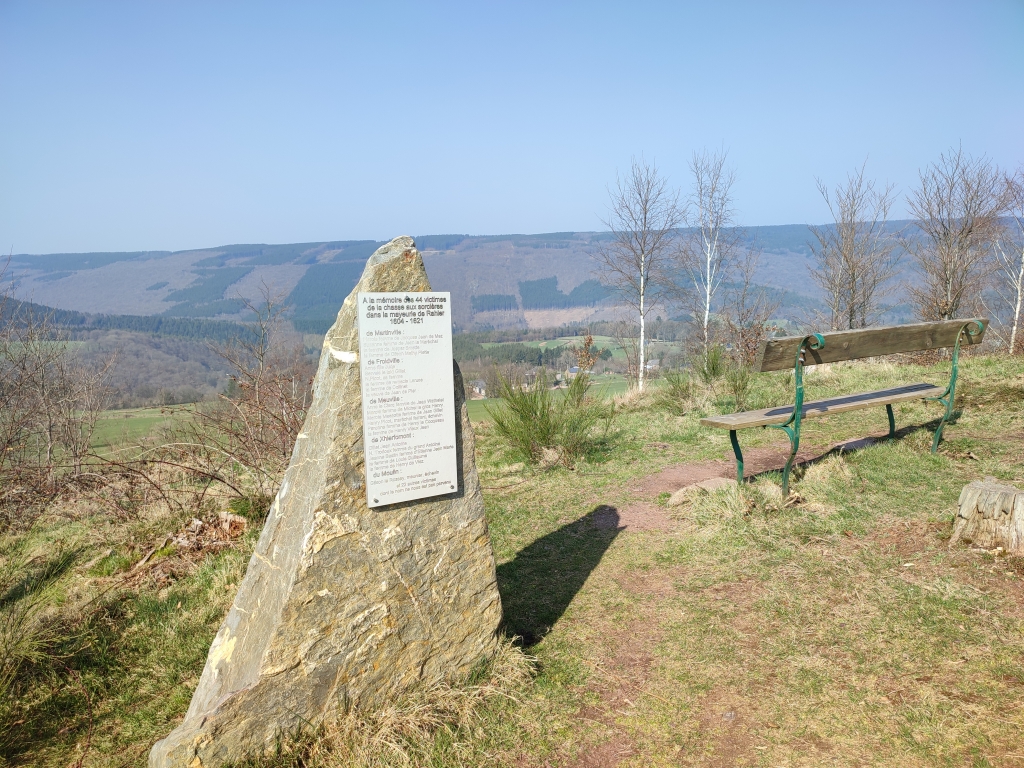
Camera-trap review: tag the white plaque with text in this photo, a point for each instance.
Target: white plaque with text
(405, 365)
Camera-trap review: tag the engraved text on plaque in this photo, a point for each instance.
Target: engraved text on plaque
(405, 365)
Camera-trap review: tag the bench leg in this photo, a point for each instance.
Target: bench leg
(938, 430)
(794, 441)
(892, 420)
(946, 401)
(739, 455)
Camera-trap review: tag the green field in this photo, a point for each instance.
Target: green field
(116, 427)
(655, 348)
(120, 426)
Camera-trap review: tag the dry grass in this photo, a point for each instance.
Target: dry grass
(417, 728)
(833, 628)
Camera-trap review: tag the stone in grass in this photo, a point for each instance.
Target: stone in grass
(990, 515)
(711, 484)
(342, 605)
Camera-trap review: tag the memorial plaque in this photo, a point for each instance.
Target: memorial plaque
(405, 366)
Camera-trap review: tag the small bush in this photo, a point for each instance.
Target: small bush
(737, 378)
(252, 508)
(710, 364)
(533, 421)
(674, 395)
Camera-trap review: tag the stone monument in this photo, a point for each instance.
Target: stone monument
(344, 605)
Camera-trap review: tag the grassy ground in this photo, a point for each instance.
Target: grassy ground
(120, 426)
(836, 629)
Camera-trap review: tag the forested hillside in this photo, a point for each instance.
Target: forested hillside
(496, 281)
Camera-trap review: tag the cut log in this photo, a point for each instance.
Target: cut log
(990, 515)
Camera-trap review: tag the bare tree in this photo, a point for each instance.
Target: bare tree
(856, 256)
(711, 245)
(1009, 271)
(49, 404)
(245, 438)
(644, 214)
(750, 309)
(956, 208)
(626, 335)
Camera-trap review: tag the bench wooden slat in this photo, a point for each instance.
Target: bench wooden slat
(816, 408)
(780, 354)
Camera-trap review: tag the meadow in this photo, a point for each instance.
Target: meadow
(835, 627)
(118, 427)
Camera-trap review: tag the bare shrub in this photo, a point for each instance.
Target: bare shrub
(956, 208)
(750, 309)
(857, 258)
(49, 405)
(245, 438)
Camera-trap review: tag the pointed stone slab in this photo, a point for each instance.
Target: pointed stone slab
(342, 605)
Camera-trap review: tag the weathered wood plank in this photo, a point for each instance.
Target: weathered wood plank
(823, 407)
(780, 354)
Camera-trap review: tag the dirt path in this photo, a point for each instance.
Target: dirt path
(644, 513)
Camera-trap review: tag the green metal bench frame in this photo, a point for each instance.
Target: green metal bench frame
(816, 341)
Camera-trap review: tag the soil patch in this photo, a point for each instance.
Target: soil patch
(620, 673)
(1002, 578)
(755, 461)
(638, 516)
(725, 721)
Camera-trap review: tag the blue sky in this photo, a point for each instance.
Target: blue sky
(176, 125)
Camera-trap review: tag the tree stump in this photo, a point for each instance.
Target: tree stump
(990, 515)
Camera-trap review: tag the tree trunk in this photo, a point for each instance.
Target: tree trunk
(640, 354)
(990, 516)
(1018, 294)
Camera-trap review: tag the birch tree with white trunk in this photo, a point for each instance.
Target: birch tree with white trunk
(644, 214)
(1009, 274)
(708, 250)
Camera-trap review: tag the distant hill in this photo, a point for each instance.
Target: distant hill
(186, 328)
(496, 281)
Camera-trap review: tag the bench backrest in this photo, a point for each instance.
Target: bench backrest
(780, 354)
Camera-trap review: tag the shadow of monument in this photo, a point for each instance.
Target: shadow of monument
(539, 583)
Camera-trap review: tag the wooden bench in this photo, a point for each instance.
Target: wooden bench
(817, 348)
